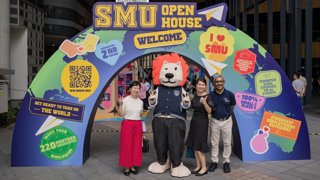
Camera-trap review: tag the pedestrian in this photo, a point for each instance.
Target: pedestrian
(221, 123)
(319, 83)
(304, 80)
(193, 83)
(298, 87)
(143, 93)
(187, 86)
(130, 107)
(198, 132)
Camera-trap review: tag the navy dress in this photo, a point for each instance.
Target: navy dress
(198, 133)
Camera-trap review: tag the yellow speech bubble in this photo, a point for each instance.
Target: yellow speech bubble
(216, 44)
(80, 79)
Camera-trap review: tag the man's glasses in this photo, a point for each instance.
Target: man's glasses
(219, 82)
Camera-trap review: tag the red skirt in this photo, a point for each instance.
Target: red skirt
(130, 143)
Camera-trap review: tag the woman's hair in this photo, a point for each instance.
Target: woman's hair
(202, 80)
(134, 83)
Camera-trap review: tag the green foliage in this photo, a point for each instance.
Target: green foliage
(9, 117)
(12, 114)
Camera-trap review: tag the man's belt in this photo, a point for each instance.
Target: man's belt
(222, 119)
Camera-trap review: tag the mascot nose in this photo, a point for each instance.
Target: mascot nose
(169, 75)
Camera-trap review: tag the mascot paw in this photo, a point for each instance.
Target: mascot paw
(186, 99)
(152, 97)
(180, 171)
(157, 168)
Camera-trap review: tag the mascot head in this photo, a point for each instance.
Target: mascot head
(169, 70)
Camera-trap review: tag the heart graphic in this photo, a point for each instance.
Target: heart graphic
(80, 48)
(220, 37)
(109, 52)
(266, 129)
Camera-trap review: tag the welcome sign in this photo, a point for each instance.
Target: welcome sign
(54, 124)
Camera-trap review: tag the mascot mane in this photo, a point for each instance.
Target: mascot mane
(170, 58)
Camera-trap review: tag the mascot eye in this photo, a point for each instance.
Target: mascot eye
(175, 68)
(165, 68)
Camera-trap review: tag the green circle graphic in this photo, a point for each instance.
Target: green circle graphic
(58, 143)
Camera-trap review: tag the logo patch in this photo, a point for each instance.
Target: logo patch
(176, 92)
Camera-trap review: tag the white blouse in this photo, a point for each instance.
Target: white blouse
(132, 108)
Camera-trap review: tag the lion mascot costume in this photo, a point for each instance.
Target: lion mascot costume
(170, 102)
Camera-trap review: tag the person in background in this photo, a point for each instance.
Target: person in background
(187, 86)
(304, 80)
(319, 83)
(130, 108)
(198, 133)
(298, 87)
(148, 86)
(221, 123)
(143, 93)
(193, 83)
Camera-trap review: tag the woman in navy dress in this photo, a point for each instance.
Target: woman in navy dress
(198, 133)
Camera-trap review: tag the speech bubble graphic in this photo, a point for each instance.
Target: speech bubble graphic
(72, 49)
(80, 79)
(249, 102)
(244, 61)
(109, 53)
(268, 83)
(216, 44)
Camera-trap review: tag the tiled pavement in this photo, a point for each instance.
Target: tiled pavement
(103, 161)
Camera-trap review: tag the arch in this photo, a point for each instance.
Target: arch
(54, 123)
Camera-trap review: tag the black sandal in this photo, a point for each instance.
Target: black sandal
(126, 173)
(134, 171)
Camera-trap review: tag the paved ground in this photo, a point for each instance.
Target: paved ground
(103, 161)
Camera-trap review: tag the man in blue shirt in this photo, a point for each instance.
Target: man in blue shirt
(221, 123)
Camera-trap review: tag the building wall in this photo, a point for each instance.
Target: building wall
(18, 56)
(24, 14)
(63, 20)
(4, 34)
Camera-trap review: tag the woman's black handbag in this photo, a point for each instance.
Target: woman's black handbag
(145, 145)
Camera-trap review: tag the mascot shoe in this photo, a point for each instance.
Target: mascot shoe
(157, 168)
(180, 171)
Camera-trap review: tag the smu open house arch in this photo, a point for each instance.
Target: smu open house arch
(55, 120)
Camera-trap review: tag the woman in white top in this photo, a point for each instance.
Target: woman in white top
(130, 108)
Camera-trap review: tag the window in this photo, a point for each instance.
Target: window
(13, 20)
(14, 2)
(29, 51)
(64, 13)
(34, 69)
(13, 11)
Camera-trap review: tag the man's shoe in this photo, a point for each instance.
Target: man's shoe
(226, 167)
(213, 166)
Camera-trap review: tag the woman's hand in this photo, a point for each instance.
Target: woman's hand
(203, 99)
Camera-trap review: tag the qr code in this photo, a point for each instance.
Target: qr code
(80, 76)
